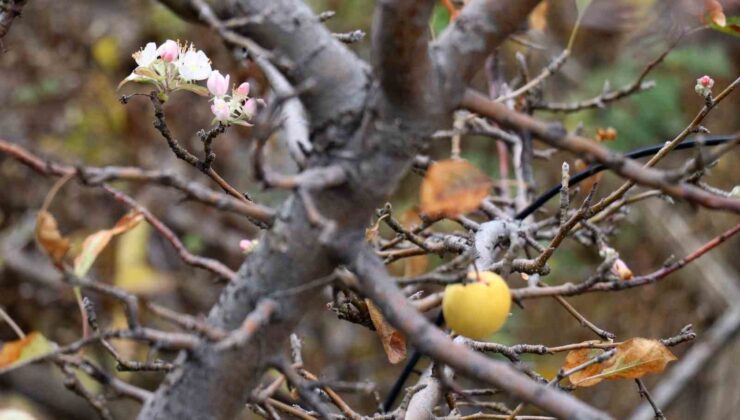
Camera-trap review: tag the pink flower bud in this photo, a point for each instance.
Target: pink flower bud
(621, 270)
(169, 51)
(220, 109)
(705, 81)
(218, 84)
(704, 86)
(250, 108)
(243, 89)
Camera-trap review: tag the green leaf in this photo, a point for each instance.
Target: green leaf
(136, 79)
(190, 87)
(147, 73)
(440, 19)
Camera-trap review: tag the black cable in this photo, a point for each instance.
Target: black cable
(594, 169)
(536, 204)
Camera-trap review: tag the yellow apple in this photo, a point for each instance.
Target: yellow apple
(479, 309)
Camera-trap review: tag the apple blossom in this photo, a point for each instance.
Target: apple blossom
(169, 51)
(194, 65)
(221, 110)
(250, 107)
(146, 56)
(217, 84)
(243, 89)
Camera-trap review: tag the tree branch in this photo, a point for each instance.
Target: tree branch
(556, 136)
(479, 29)
(91, 175)
(400, 50)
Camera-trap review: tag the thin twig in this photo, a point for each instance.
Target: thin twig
(209, 264)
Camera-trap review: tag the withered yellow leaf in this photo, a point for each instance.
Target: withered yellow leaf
(95, 243)
(633, 359)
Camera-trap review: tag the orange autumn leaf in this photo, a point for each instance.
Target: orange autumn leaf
(453, 187)
(394, 343)
(633, 359)
(49, 237)
(15, 353)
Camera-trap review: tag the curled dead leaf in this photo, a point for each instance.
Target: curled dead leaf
(453, 187)
(394, 343)
(49, 237)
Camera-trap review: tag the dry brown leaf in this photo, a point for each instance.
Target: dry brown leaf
(49, 237)
(633, 359)
(579, 357)
(453, 187)
(394, 343)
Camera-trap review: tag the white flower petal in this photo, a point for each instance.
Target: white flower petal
(146, 56)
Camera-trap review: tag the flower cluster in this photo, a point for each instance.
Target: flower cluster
(704, 86)
(237, 108)
(173, 66)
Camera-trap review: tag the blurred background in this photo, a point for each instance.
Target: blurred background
(58, 77)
